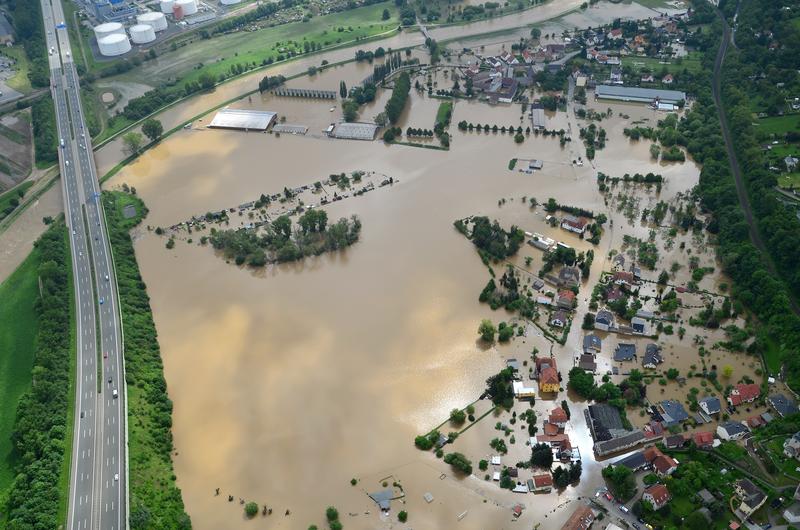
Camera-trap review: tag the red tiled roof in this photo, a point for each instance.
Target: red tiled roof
(659, 494)
(581, 519)
(545, 360)
(551, 429)
(569, 295)
(543, 481)
(548, 376)
(624, 276)
(558, 415)
(702, 439)
(664, 463)
(744, 393)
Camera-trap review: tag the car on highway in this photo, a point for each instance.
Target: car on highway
(106, 274)
(115, 394)
(109, 380)
(62, 143)
(102, 300)
(105, 355)
(81, 414)
(116, 476)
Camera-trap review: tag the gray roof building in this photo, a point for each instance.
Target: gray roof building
(624, 352)
(782, 405)
(639, 95)
(672, 412)
(592, 343)
(706, 496)
(710, 405)
(652, 356)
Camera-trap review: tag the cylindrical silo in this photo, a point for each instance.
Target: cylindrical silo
(113, 45)
(166, 6)
(142, 33)
(153, 18)
(229, 2)
(109, 28)
(189, 7)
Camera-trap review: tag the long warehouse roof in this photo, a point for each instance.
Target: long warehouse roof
(629, 93)
(257, 120)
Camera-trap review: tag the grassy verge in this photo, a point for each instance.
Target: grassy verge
(41, 424)
(19, 81)
(19, 324)
(12, 198)
(155, 500)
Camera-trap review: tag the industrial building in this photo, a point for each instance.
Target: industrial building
(112, 10)
(639, 95)
(246, 120)
(354, 131)
(537, 116)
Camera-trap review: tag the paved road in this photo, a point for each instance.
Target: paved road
(98, 478)
(741, 189)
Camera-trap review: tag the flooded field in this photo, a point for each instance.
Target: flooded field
(289, 381)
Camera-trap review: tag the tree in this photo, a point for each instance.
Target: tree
(132, 142)
(458, 416)
(152, 129)
(331, 514)
(459, 462)
(663, 278)
(350, 110)
(342, 89)
(206, 80)
(251, 509)
(386, 15)
(727, 371)
(487, 330)
(588, 321)
(621, 481)
(581, 382)
(542, 456)
(672, 373)
(402, 516)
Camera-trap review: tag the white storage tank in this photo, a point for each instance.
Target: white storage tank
(189, 7)
(113, 45)
(153, 18)
(109, 28)
(166, 6)
(142, 33)
(229, 2)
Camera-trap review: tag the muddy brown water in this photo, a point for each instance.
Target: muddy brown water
(290, 381)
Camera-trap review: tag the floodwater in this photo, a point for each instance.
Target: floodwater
(290, 381)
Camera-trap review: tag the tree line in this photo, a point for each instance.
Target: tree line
(40, 427)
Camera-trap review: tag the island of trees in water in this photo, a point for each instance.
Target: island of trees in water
(281, 242)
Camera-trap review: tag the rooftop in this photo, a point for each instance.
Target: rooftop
(256, 120)
(644, 95)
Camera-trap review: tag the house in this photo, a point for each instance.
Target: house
(559, 319)
(614, 294)
(791, 447)
(703, 440)
(731, 430)
(706, 497)
(754, 422)
(523, 392)
(615, 34)
(566, 299)
(710, 405)
(675, 441)
(624, 351)
(587, 363)
(638, 324)
(624, 278)
(569, 277)
(616, 76)
(574, 224)
(657, 495)
(791, 163)
(604, 320)
(581, 519)
(782, 405)
(744, 393)
(652, 356)
(647, 78)
(672, 412)
(662, 464)
(548, 380)
(667, 79)
(592, 344)
(558, 417)
(751, 496)
(541, 483)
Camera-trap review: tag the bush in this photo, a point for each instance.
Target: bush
(459, 462)
(402, 516)
(251, 509)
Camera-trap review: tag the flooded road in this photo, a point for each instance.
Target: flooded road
(290, 381)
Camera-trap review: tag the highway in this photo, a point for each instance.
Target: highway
(98, 471)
